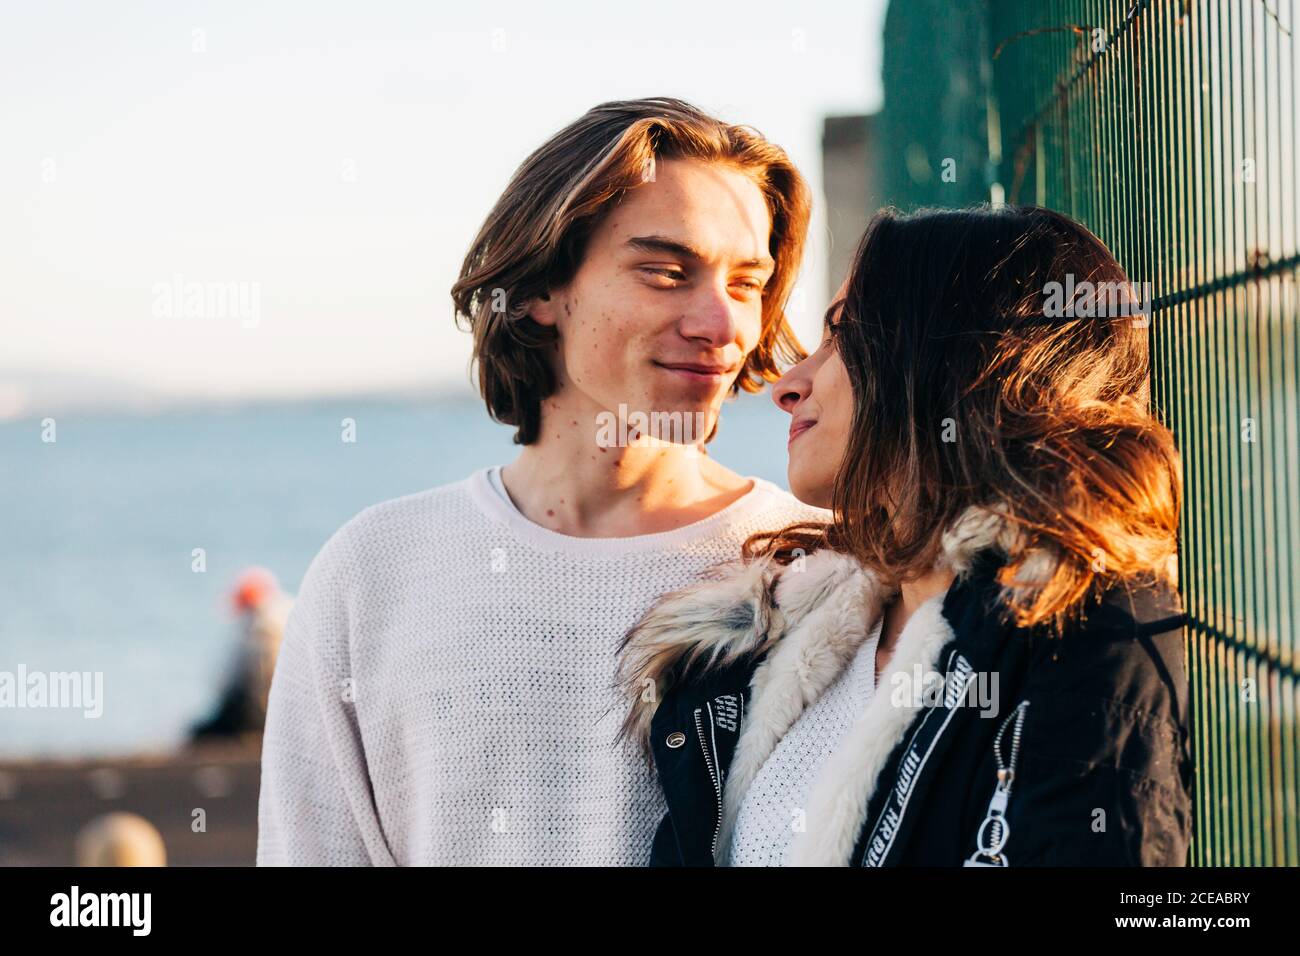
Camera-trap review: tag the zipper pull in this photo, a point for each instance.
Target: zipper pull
(998, 805)
(994, 829)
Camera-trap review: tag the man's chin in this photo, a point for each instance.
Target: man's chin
(677, 423)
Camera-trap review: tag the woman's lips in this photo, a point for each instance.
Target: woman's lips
(798, 428)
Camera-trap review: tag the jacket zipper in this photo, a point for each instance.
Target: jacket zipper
(880, 844)
(713, 778)
(994, 829)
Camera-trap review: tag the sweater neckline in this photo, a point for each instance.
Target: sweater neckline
(499, 508)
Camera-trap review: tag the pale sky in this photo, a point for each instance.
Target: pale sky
(334, 161)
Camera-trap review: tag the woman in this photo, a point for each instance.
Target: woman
(979, 661)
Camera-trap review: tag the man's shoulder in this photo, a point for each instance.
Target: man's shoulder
(405, 510)
(390, 530)
(364, 563)
(772, 500)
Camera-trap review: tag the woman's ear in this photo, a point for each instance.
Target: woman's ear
(542, 309)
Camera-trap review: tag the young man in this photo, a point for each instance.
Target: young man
(445, 689)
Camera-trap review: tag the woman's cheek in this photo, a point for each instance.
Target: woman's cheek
(835, 397)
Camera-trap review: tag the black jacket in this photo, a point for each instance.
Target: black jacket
(1091, 724)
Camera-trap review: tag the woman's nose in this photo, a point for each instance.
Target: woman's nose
(789, 390)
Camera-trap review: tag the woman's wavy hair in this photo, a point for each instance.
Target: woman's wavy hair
(972, 389)
(534, 238)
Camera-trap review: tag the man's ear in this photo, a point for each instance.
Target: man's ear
(542, 309)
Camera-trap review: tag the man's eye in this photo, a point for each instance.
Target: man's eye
(677, 275)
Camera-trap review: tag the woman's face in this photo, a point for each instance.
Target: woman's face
(819, 398)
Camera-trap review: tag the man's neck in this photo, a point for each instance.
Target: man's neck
(566, 482)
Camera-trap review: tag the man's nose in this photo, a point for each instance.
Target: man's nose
(710, 316)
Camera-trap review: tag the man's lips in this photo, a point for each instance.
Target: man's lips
(799, 427)
(697, 371)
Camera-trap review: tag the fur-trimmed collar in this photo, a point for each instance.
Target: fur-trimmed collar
(811, 617)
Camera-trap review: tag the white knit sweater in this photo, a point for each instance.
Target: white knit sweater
(444, 688)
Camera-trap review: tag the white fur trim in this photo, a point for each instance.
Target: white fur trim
(820, 616)
(836, 603)
(837, 803)
(727, 614)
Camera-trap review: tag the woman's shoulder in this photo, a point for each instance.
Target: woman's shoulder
(1125, 647)
(1135, 608)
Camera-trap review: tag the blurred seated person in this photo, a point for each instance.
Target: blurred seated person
(263, 610)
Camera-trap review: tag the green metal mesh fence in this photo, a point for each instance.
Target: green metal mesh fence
(1169, 127)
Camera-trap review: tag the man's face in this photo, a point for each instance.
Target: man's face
(668, 301)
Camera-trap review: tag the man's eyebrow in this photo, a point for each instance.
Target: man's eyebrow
(686, 250)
